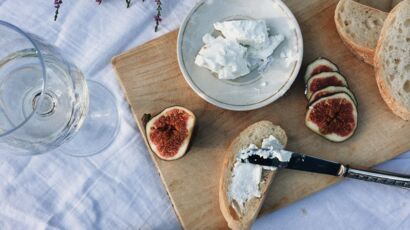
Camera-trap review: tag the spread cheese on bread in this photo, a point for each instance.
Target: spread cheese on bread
(240, 202)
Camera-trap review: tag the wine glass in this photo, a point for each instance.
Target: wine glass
(44, 100)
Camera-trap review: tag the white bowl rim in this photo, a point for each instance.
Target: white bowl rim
(222, 105)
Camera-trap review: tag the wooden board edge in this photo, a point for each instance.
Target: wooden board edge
(130, 52)
(142, 133)
(155, 159)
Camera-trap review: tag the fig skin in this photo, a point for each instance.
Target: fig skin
(332, 90)
(324, 76)
(145, 119)
(320, 61)
(149, 122)
(333, 137)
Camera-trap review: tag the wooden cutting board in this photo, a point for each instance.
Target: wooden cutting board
(151, 78)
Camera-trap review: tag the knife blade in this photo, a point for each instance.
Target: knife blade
(307, 163)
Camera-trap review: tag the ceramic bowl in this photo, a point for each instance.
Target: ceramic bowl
(263, 85)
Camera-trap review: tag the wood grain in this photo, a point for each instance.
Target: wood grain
(150, 76)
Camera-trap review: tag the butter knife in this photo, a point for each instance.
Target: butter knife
(307, 163)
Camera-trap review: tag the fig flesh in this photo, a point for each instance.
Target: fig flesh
(330, 90)
(333, 117)
(319, 65)
(323, 80)
(169, 133)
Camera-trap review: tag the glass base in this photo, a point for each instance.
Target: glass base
(100, 126)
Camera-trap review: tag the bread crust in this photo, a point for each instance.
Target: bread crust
(246, 137)
(387, 96)
(363, 53)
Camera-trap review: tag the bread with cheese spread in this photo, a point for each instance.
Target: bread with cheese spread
(254, 134)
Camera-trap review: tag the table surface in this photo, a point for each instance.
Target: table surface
(120, 188)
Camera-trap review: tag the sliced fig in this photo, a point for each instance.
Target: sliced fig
(323, 80)
(333, 117)
(320, 65)
(169, 133)
(330, 90)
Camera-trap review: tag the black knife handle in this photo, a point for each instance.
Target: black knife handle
(312, 164)
(378, 176)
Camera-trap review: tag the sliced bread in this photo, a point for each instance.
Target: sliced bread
(359, 27)
(392, 60)
(254, 134)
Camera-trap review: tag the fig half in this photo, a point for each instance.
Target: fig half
(319, 65)
(323, 80)
(333, 117)
(330, 90)
(169, 133)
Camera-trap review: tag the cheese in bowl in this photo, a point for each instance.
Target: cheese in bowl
(243, 46)
(239, 55)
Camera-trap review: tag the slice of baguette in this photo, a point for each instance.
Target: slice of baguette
(254, 134)
(392, 60)
(359, 27)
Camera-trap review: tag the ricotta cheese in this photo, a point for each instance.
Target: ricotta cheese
(252, 33)
(246, 177)
(244, 46)
(245, 183)
(260, 55)
(225, 57)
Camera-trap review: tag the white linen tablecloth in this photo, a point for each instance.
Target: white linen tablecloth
(120, 188)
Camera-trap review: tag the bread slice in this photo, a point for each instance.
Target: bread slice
(392, 60)
(359, 27)
(254, 134)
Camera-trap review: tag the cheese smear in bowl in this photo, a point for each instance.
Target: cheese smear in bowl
(243, 46)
